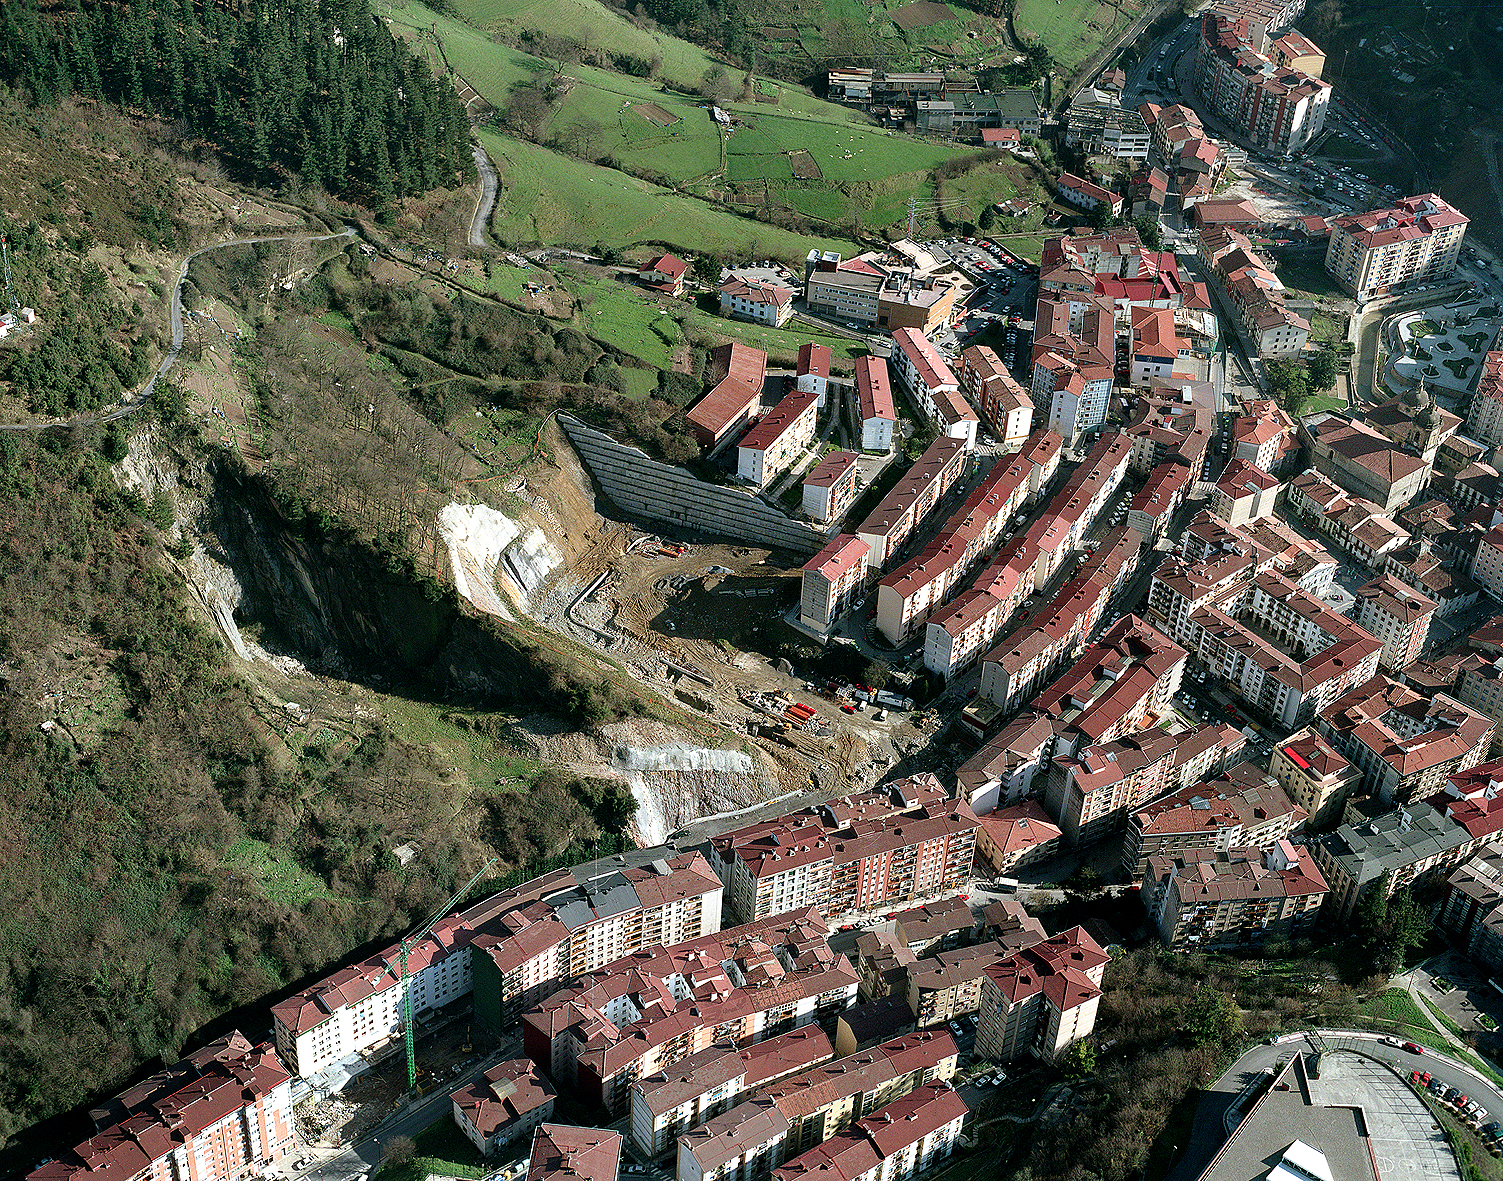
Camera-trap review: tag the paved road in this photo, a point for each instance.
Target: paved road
(1210, 1129)
(143, 395)
(487, 197)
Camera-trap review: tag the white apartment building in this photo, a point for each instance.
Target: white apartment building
(1416, 241)
(874, 400)
(1077, 396)
(1398, 615)
(762, 303)
(831, 486)
(779, 437)
(686, 1094)
(923, 371)
(1487, 566)
(832, 581)
(537, 935)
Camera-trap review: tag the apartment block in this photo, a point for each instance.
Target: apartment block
(832, 581)
(936, 926)
(649, 1011)
(1285, 652)
(564, 1153)
(1041, 999)
(1245, 494)
(742, 1144)
(1021, 664)
(874, 401)
(1487, 567)
(690, 1092)
(1484, 416)
(1264, 436)
(862, 1026)
(1165, 430)
(915, 590)
(1153, 507)
(1002, 772)
(532, 939)
(1404, 744)
(1005, 405)
(912, 499)
(923, 370)
(1417, 240)
(1017, 836)
(736, 374)
(831, 487)
(947, 984)
(504, 1104)
(1122, 681)
(1244, 897)
(895, 1143)
(761, 303)
(1398, 615)
(1073, 353)
(1253, 288)
(827, 1100)
(1244, 809)
(1277, 107)
(1314, 774)
(1091, 793)
(223, 1112)
(778, 438)
(899, 843)
(1406, 846)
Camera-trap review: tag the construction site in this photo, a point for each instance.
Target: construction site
(698, 626)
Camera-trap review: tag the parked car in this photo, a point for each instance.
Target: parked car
(1410, 1046)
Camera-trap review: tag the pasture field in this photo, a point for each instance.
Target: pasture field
(594, 24)
(843, 153)
(1073, 29)
(618, 315)
(548, 197)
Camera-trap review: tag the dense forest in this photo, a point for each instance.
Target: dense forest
(319, 88)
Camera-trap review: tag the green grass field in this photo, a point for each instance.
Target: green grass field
(278, 874)
(548, 197)
(1065, 26)
(592, 23)
(618, 315)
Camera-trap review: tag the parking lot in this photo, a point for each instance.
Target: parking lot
(1462, 989)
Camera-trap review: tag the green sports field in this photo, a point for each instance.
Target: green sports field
(548, 197)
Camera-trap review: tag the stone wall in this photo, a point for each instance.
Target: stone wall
(643, 487)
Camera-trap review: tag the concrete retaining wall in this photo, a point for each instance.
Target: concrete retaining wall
(643, 487)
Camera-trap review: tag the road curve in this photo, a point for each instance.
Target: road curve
(143, 395)
(487, 197)
(1215, 1117)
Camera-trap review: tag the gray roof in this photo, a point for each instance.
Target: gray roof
(1393, 841)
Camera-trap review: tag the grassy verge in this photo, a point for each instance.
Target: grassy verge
(441, 1148)
(1395, 1011)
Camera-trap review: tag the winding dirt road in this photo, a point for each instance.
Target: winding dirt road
(143, 395)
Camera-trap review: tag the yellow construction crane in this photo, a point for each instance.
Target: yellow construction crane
(406, 946)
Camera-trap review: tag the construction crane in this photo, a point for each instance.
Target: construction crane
(406, 946)
(10, 292)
